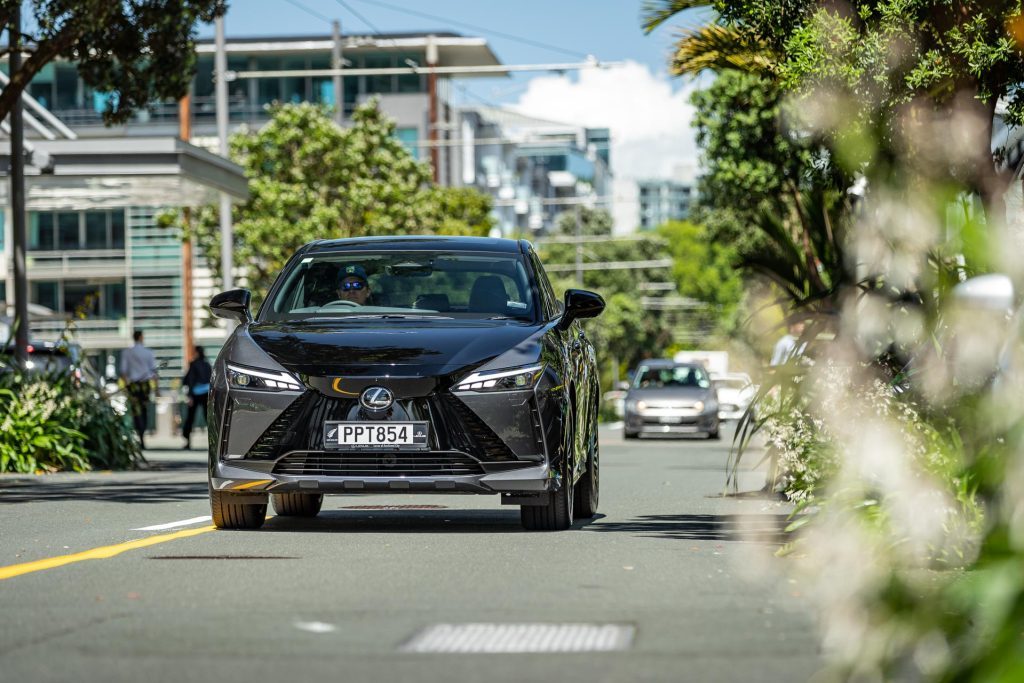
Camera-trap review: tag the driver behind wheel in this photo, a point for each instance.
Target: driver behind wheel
(353, 286)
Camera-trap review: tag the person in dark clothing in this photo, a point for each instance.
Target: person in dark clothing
(197, 379)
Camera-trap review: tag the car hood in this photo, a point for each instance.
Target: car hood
(670, 394)
(397, 348)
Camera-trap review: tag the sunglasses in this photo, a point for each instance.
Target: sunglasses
(349, 286)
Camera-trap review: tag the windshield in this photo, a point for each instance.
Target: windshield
(679, 376)
(732, 383)
(404, 285)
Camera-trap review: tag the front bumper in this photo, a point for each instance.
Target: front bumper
(677, 423)
(259, 478)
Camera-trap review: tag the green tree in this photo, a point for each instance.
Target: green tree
(138, 52)
(704, 269)
(889, 64)
(750, 162)
(310, 179)
(593, 222)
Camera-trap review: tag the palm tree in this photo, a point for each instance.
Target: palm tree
(714, 46)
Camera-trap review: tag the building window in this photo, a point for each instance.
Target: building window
(73, 230)
(409, 137)
(380, 83)
(45, 294)
(102, 300)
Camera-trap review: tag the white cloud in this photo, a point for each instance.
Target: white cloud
(649, 118)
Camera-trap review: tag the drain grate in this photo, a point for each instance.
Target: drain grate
(395, 507)
(521, 638)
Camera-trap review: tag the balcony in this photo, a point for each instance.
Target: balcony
(91, 333)
(105, 263)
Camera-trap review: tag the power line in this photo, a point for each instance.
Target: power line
(307, 10)
(359, 16)
(473, 27)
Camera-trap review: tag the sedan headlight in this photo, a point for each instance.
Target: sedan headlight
(698, 406)
(512, 379)
(636, 406)
(260, 380)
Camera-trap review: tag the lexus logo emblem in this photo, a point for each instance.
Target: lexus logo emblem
(377, 398)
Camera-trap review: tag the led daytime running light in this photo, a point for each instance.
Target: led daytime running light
(272, 380)
(488, 380)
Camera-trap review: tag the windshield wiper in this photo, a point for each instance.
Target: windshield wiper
(393, 316)
(509, 317)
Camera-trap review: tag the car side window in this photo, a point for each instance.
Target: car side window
(547, 292)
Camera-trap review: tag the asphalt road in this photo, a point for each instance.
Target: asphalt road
(686, 574)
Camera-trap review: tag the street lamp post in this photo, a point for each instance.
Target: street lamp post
(18, 197)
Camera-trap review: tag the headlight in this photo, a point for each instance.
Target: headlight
(637, 406)
(513, 379)
(260, 380)
(698, 406)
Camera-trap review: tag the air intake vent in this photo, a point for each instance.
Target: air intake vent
(356, 465)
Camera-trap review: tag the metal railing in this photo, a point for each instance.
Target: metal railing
(75, 263)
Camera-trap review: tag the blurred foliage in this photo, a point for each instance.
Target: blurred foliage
(52, 421)
(310, 179)
(914, 459)
(136, 53)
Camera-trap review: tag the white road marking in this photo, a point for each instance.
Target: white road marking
(509, 638)
(315, 627)
(173, 525)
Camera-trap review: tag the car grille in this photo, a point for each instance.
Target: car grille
(377, 465)
(453, 427)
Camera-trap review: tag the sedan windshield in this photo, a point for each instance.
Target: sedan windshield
(680, 376)
(404, 285)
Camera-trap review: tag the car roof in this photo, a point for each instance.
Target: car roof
(416, 243)
(668, 363)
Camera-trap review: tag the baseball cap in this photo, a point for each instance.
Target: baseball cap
(352, 270)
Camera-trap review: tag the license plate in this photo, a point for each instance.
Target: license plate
(384, 436)
(670, 419)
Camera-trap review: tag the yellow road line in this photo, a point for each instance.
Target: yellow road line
(101, 553)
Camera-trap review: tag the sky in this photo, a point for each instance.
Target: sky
(645, 108)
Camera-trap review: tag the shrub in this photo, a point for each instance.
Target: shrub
(52, 422)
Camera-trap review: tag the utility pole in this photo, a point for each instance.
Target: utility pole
(18, 197)
(435, 152)
(336, 64)
(185, 133)
(226, 237)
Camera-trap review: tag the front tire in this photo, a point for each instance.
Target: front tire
(588, 488)
(556, 515)
(297, 504)
(630, 435)
(231, 515)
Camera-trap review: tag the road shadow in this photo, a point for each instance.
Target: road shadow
(51, 490)
(185, 466)
(447, 521)
(766, 528)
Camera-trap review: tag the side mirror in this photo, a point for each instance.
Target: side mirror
(622, 386)
(993, 292)
(233, 305)
(579, 304)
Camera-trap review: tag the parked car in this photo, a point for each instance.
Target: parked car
(670, 398)
(412, 364)
(735, 393)
(54, 357)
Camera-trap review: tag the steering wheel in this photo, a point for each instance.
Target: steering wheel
(342, 302)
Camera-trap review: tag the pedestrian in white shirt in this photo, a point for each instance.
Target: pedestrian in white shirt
(139, 374)
(789, 346)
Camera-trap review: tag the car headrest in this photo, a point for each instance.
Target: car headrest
(488, 295)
